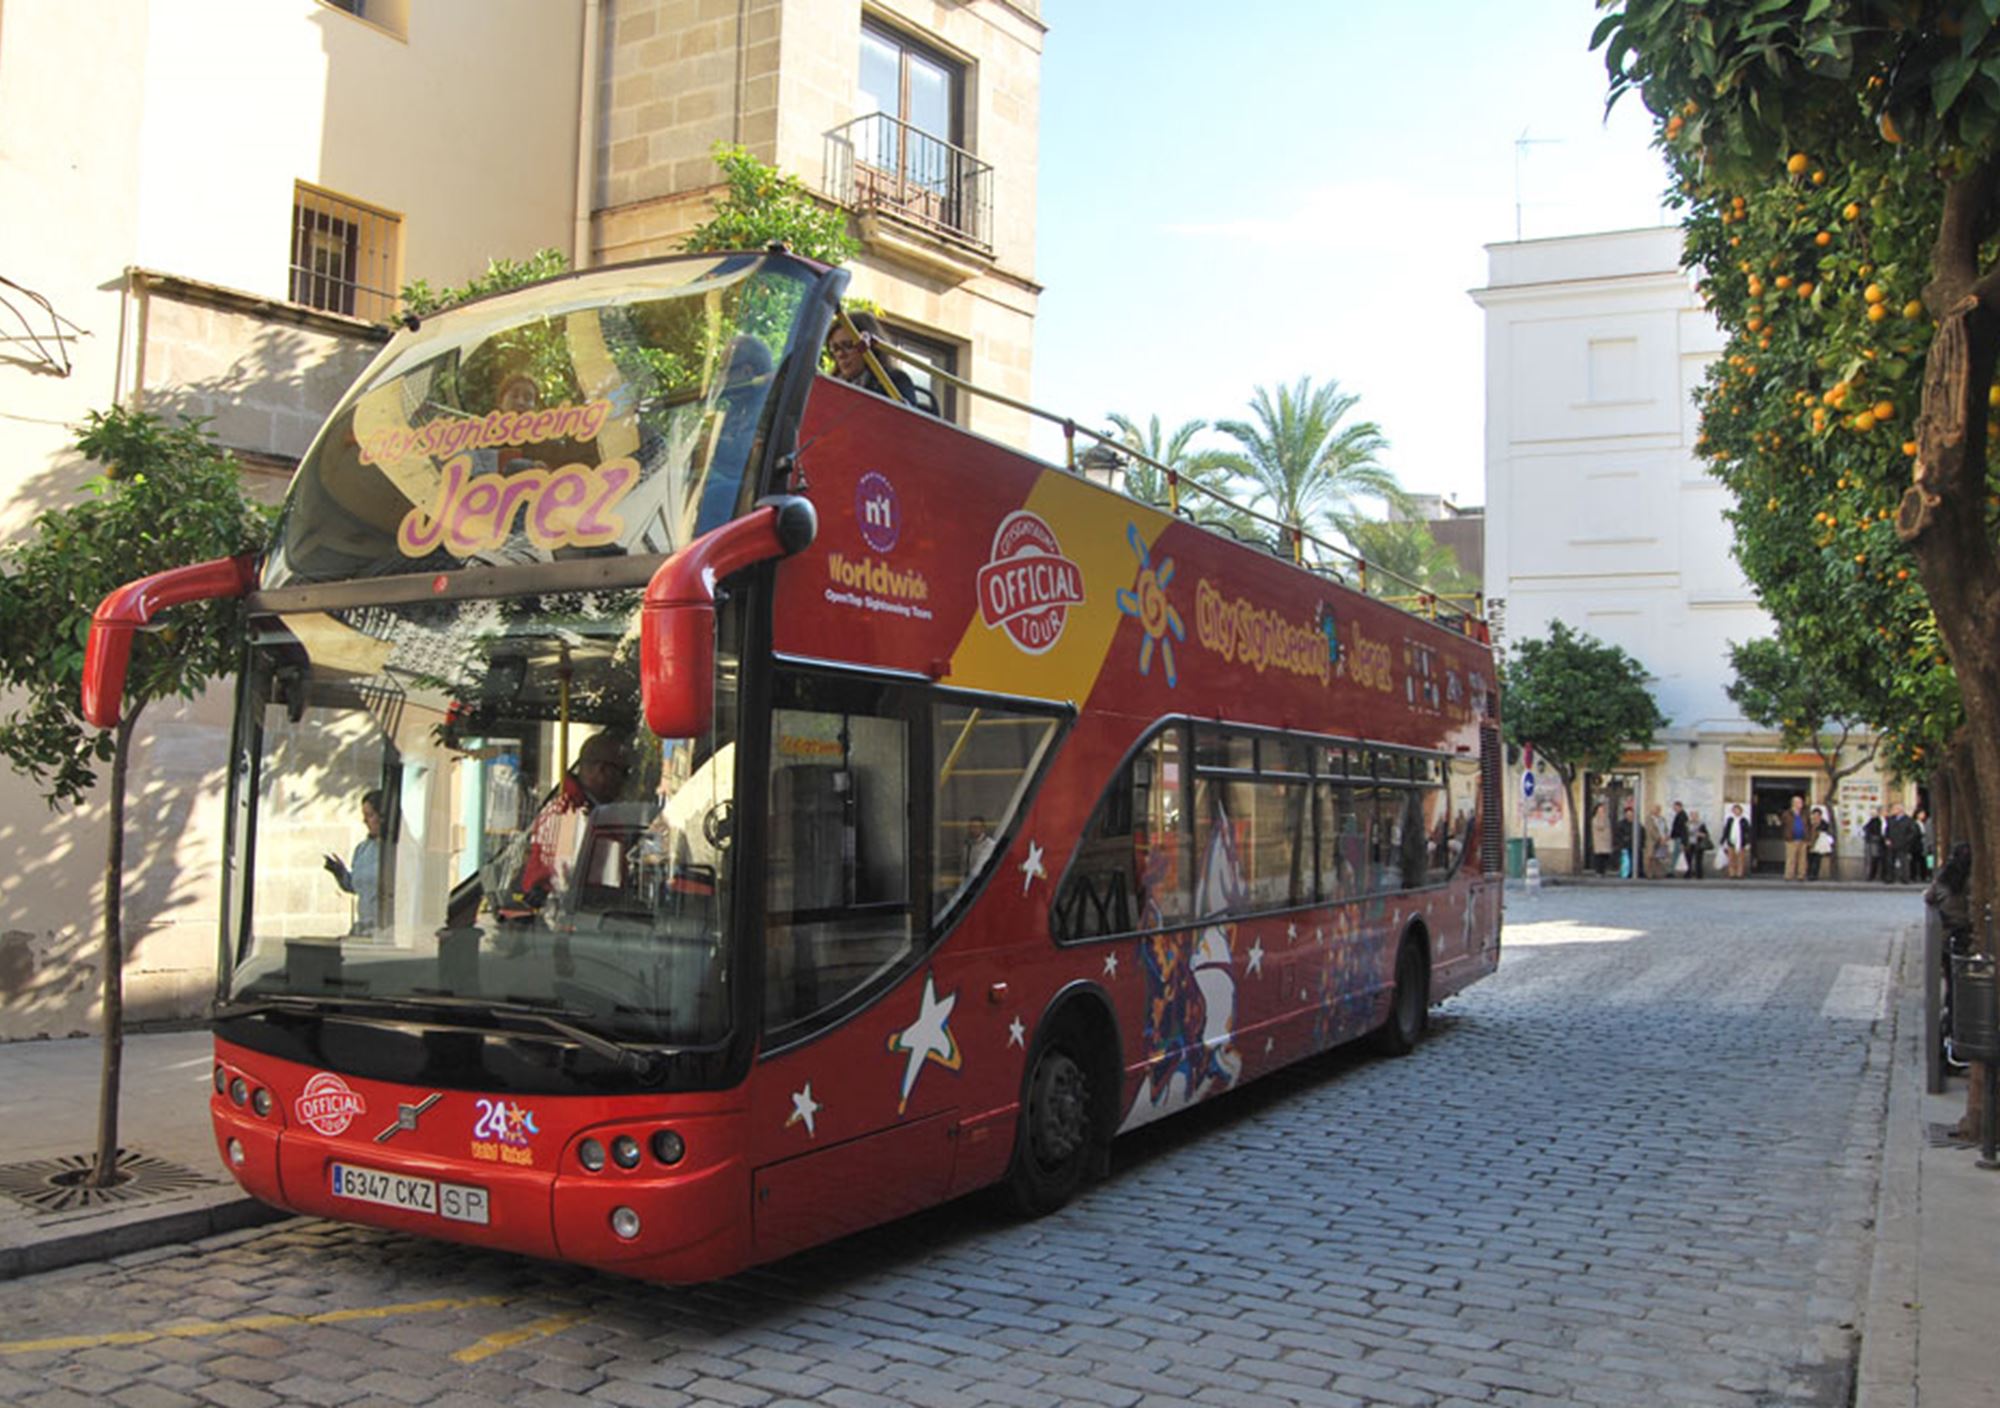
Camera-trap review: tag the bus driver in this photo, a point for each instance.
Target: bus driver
(556, 833)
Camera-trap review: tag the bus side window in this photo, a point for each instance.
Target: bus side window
(986, 758)
(1132, 869)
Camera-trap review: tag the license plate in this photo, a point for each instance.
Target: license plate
(455, 1202)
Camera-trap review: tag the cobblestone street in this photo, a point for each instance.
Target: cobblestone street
(1638, 1167)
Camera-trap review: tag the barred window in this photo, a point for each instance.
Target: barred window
(345, 255)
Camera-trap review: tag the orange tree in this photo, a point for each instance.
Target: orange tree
(1837, 162)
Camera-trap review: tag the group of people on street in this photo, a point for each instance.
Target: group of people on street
(1664, 848)
(1899, 847)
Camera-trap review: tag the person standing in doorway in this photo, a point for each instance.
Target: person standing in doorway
(1871, 843)
(1628, 843)
(1678, 836)
(1899, 839)
(1600, 836)
(1798, 838)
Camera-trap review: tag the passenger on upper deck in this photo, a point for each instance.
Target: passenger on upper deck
(850, 363)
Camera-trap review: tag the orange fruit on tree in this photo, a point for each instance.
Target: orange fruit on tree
(1884, 410)
(1913, 309)
(1876, 312)
(1797, 164)
(1851, 210)
(1822, 239)
(1874, 293)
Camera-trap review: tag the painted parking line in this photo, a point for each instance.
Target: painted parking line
(507, 1339)
(198, 1329)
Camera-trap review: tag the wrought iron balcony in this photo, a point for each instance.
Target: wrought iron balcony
(881, 164)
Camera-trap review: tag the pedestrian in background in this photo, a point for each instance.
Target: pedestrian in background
(1822, 843)
(1920, 858)
(1871, 842)
(1657, 844)
(1797, 839)
(1600, 836)
(1736, 841)
(1677, 837)
(1628, 847)
(1700, 843)
(1899, 838)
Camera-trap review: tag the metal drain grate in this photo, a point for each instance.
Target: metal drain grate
(62, 1184)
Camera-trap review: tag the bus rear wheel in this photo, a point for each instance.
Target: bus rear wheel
(1410, 1008)
(1057, 1137)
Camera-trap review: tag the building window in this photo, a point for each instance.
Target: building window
(903, 154)
(942, 355)
(345, 256)
(914, 85)
(390, 16)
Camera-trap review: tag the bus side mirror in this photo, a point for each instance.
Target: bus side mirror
(108, 653)
(677, 619)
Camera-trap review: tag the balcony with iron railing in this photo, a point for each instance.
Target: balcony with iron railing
(878, 165)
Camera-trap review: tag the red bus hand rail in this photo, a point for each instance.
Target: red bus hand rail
(108, 653)
(677, 616)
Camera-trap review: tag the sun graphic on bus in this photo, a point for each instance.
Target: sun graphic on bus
(1146, 599)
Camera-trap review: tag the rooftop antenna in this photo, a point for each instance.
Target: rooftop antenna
(1521, 145)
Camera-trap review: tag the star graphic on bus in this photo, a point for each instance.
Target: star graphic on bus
(1256, 963)
(1017, 1034)
(1146, 601)
(927, 1039)
(1032, 868)
(804, 1107)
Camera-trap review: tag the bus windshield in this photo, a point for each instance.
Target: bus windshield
(614, 412)
(454, 800)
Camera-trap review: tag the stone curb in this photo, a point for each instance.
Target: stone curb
(120, 1234)
(1886, 1374)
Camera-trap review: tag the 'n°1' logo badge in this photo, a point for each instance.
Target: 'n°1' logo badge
(1027, 586)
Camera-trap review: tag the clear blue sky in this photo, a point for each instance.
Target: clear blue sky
(1236, 195)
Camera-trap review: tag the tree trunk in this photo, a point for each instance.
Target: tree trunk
(1943, 517)
(1577, 864)
(104, 1173)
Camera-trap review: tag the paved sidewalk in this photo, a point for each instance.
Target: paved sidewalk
(48, 1111)
(1928, 1339)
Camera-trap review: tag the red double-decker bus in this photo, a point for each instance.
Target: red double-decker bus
(686, 808)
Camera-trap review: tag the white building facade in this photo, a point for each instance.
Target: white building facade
(1599, 515)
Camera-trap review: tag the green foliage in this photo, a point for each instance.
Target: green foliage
(1408, 548)
(1207, 468)
(1811, 142)
(1301, 465)
(1579, 701)
(421, 300)
(1778, 688)
(765, 205)
(169, 497)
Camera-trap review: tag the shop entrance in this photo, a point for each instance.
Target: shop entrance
(1617, 790)
(1770, 806)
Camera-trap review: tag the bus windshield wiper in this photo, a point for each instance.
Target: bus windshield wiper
(643, 1064)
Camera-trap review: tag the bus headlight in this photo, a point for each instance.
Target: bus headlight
(668, 1147)
(625, 1151)
(625, 1223)
(591, 1154)
(260, 1101)
(239, 1090)
(236, 1153)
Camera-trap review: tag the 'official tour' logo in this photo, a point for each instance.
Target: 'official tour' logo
(877, 511)
(328, 1105)
(1027, 586)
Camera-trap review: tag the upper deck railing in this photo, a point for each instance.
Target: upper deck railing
(1464, 612)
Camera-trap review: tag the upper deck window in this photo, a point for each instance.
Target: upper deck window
(608, 413)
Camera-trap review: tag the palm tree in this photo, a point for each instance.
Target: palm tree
(1203, 467)
(1305, 468)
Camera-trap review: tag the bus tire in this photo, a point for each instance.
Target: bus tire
(1410, 1007)
(1060, 1138)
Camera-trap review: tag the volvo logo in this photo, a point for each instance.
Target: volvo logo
(407, 1117)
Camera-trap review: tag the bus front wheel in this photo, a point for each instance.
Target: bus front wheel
(1057, 1139)
(1410, 1008)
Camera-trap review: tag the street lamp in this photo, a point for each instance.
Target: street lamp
(1102, 465)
